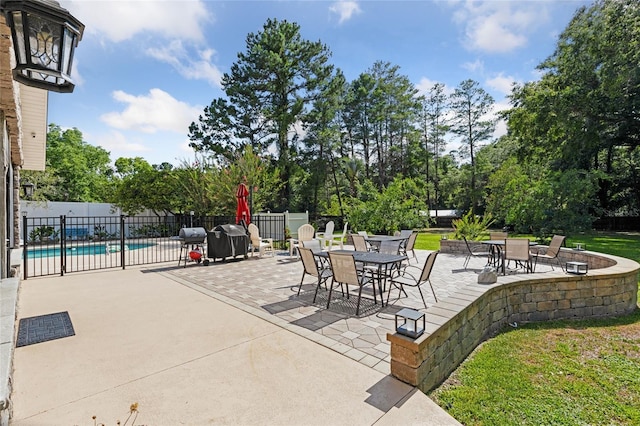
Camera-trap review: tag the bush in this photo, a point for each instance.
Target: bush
(397, 207)
(471, 227)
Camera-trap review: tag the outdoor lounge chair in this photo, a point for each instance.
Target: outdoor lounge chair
(327, 234)
(313, 268)
(517, 249)
(345, 272)
(498, 235)
(406, 279)
(312, 244)
(338, 240)
(328, 239)
(409, 246)
(551, 253)
(476, 251)
(390, 247)
(359, 243)
(261, 244)
(305, 233)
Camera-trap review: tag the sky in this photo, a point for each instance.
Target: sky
(146, 69)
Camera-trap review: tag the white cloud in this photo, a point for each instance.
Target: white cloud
(426, 84)
(501, 83)
(77, 78)
(123, 20)
(116, 141)
(475, 66)
(498, 26)
(157, 111)
(201, 69)
(345, 9)
(501, 125)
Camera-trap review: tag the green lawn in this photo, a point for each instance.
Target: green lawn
(619, 244)
(555, 373)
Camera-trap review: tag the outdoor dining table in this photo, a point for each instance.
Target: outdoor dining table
(375, 240)
(496, 258)
(381, 260)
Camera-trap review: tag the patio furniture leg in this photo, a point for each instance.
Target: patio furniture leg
(316, 294)
(330, 290)
(399, 292)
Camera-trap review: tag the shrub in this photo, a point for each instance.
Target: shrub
(471, 227)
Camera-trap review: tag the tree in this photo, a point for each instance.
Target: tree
(541, 201)
(126, 166)
(269, 89)
(471, 106)
(397, 207)
(148, 188)
(323, 140)
(381, 109)
(78, 171)
(583, 114)
(433, 126)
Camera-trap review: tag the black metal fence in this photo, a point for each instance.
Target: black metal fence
(65, 244)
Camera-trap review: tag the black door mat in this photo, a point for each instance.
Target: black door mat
(43, 328)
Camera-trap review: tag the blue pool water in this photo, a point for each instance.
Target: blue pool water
(39, 252)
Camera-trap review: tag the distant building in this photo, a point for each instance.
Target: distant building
(443, 218)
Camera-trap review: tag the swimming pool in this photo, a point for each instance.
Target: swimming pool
(40, 252)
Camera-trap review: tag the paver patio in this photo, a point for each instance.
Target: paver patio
(268, 287)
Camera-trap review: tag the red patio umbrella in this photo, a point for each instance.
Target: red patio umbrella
(242, 211)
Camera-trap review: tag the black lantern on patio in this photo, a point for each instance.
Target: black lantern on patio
(408, 322)
(577, 268)
(45, 36)
(27, 187)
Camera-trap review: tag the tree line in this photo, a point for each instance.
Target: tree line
(374, 150)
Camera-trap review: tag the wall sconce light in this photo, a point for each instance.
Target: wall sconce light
(28, 187)
(45, 36)
(409, 323)
(577, 268)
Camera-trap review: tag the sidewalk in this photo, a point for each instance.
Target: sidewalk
(188, 358)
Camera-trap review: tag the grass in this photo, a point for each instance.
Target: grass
(555, 373)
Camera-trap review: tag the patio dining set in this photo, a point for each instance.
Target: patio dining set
(500, 251)
(381, 262)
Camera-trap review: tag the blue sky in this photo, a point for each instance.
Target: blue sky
(145, 69)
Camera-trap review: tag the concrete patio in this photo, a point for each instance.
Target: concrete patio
(228, 343)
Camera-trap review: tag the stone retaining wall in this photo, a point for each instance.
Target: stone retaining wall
(459, 323)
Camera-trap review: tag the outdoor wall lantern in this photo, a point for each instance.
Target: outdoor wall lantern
(45, 36)
(28, 187)
(408, 323)
(577, 268)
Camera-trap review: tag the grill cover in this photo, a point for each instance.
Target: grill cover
(227, 241)
(193, 235)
